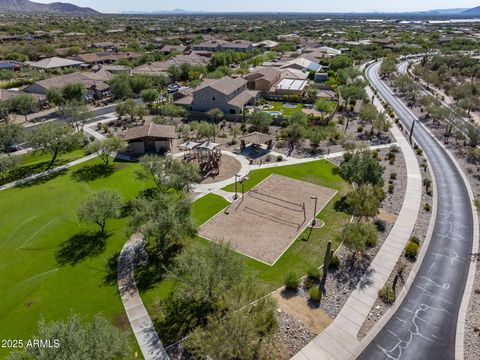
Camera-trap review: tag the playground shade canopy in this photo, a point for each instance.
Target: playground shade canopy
(189, 145)
(208, 145)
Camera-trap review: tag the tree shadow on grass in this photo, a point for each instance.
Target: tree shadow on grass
(93, 172)
(80, 247)
(43, 179)
(24, 171)
(155, 269)
(341, 205)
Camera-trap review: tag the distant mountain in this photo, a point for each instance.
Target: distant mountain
(446, 11)
(26, 6)
(472, 12)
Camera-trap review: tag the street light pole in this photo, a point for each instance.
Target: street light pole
(236, 192)
(314, 222)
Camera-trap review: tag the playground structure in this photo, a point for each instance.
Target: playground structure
(206, 155)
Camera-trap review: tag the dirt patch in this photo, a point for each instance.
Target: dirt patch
(121, 321)
(229, 166)
(386, 216)
(263, 223)
(314, 319)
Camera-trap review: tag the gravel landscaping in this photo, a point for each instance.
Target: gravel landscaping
(404, 264)
(342, 282)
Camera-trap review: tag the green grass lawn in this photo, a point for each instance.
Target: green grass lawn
(35, 163)
(308, 250)
(50, 264)
(287, 112)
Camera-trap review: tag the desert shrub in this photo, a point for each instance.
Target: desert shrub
(371, 242)
(314, 273)
(393, 176)
(391, 188)
(315, 294)
(411, 250)
(291, 281)
(380, 224)
(415, 240)
(334, 263)
(386, 295)
(279, 158)
(427, 207)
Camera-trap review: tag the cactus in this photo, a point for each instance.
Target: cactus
(395, 281)
(326, 265)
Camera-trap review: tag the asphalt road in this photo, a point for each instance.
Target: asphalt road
(424, 326)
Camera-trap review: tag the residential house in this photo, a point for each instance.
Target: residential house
(6, 38)
(104, 45)
(222, 45)
(266, 44)
(302, 64)
(54, 63)
(209, 45)
(169, 48)
(291, 87)
(106, 57)
(237, 45)
(294, 74)
(11, 65)
(385, 43)
(228, 94)
(161, 67)
(97, 89)
(149, 138)
(6, 94)
(263, 79)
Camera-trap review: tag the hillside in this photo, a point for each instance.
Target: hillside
(54, 8)
(474, 11)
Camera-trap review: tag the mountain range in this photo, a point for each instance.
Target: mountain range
(472, 12)
(26, 6)
(437, 12)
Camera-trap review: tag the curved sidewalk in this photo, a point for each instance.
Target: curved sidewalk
(339, 340)
(142, 326)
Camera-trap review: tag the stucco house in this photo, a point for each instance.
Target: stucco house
(263, 79)
(228, 94)
(54, 63)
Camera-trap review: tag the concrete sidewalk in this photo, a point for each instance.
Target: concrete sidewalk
(339, 340)
(142, 326)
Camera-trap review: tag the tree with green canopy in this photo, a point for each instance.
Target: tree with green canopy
(55, 139)
(97, 339)
(106, 148)
(99, 207)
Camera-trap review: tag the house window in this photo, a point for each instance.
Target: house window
(213, 98)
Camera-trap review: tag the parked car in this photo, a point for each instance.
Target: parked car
(173, 88)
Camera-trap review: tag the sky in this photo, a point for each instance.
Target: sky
(117, 6)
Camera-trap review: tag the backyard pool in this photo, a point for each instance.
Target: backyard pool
(274, 113)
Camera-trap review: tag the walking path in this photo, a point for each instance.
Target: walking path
(142, 326)
(339, 340)
(204, 189)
